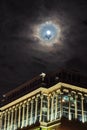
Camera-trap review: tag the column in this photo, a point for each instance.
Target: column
(76, 96)
(5, 122)
(19, 116)
(12, 112)
(41, 108)
(36, 105)
(8, 120)
(0, 121)
(27, 113)
(23, 116)
(48, 109)
(56, 106)
(82, 106)
(61, 105)
(69, 116)
(52, 108)
(31, 119)
(15, 120)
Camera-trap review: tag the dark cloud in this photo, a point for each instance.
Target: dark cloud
(21, 55)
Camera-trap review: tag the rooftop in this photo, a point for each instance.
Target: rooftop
(45, 80)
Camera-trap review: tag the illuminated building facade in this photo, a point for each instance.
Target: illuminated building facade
(41, 103)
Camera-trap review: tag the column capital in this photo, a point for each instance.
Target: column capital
(19, 106)
(76, 96)
(8, 112)
(15, 108)
(32, 101)
(12, 110)
(29, 100)
(58, 91)
(21, 103)
(53, 93)
(36, 99)
(33, 97)
(48, 97)
(27, 103)
(38, 95)
(5, 113)
(85, 95)
(82, 97)
(41, 96)
(69, 94)
(24, 105)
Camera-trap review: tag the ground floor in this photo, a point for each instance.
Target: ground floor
(54, 125)
(64, 125)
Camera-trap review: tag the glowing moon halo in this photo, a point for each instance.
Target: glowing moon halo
(48, 33)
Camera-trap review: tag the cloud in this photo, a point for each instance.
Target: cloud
(21, 55)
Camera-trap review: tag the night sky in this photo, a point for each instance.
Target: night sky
(23, 55)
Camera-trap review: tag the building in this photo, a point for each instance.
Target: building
(41, 103)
